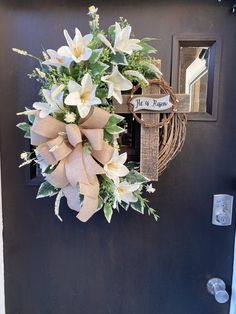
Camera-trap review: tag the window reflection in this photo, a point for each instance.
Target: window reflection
(193, 76)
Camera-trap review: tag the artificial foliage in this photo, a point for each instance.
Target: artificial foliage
(77, 83)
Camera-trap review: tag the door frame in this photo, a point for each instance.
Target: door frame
(2, 283)
(233, 295)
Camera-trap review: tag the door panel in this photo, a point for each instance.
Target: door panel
(133, 265)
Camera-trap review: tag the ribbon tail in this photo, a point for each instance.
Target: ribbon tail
(58, 177)
(90, 202)
(72, 195)
(36, 139)
(89, 208)
(104, 155)
(74, 166)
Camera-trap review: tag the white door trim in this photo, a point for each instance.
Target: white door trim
(233, 296)
(2, 290)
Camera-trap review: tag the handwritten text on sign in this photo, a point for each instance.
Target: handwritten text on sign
(151, 103)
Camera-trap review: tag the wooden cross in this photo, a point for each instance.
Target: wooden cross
(149, 146)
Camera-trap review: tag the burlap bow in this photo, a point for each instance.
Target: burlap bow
(76, 172)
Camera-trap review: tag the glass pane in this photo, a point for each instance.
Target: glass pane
(193, 76)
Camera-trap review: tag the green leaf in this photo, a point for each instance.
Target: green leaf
(64, 70)
(135, 177)
(147, 48)
(112, 32)
(101, 93)
(133, 165)
(100, 203)
(95, 55)
(113, 120)
(98, 68)
(46, 189)
(119, 58)
(145, 39)
(24, 127)
(108, 137)
(124, 205)
(138, 206)
(49, 169)
(45, 68)
(108, 211)
(75, 70)
(114, 129)
(31, 117)
(57, 205)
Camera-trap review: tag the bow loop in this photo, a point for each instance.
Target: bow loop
(95, 137)
(77, 170)
(74, 134)
(59, 148)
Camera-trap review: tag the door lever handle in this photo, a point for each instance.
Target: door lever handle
(217, 287)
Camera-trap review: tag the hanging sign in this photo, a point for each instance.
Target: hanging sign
(151, 103)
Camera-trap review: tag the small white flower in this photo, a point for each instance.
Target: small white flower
(150, 188)
(20, 51)
(24, 156)
(27, 112)
(92, 10)
(70, 117)
(40, 73)
(45, 55)
(54, 101)
(116, 83)
(105, 41)
(56, 59)
(124, 192)
(77, 48)
(82, 96)
(115, 143)
(115, 167)
(27, 162)
(123, 43)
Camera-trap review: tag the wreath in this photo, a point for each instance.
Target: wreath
(73, 128)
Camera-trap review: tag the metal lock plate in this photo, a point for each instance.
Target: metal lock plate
(222, 210)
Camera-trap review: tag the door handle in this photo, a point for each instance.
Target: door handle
(217, 287)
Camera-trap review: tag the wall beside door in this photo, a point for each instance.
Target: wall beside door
(133, 265)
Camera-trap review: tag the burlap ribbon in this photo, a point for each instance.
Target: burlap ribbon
(76, 172)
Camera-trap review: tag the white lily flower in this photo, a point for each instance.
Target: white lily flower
(56, 59)
(115, 167)
(77, 48)
(82, 96)
(54, 101)
(136, 74)
(123, 43)
(116, 83)
(124, 192)
(150, 188)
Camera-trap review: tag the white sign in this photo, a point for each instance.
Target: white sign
(161, 103)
